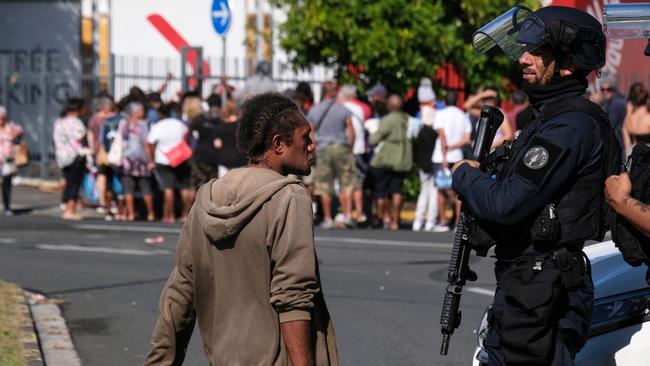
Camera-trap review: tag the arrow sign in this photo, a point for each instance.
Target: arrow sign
(221, 16)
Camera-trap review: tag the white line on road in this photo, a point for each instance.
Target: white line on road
(8, 241)
(144, 229)
(393, 243)
(479, 290)
(320, 239)
(79, 248)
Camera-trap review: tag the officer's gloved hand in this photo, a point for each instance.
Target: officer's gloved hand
(470, 275)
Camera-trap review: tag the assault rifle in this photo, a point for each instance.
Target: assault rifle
(459, 272)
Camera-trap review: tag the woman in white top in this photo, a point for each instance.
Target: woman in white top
(69, 134)
(9, 133)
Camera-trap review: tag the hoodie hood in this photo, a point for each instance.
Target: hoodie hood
(227, 204)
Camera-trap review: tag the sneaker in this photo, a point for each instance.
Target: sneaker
(9, 213)
(440, 229)
(350, 222)
(417, 226)
(429, 226)
(101, 210)
(326, 224)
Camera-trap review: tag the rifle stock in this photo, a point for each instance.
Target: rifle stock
(459, 272)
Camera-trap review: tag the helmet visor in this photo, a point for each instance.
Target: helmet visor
(516, 31)
(627, 21)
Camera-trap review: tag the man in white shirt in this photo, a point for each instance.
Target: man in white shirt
(454, 131)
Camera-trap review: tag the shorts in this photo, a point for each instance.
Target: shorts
(437, 167)
(130, 182)
(387, 181)
(201, 173)
(362, 167)
(334, 161)
(173, 178)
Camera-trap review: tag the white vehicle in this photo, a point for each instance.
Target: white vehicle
(620, 325)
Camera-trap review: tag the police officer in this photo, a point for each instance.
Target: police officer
(630, 199)
(544, 201)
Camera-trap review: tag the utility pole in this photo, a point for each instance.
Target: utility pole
(104, 43)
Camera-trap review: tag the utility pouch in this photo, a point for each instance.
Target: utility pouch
(572, 266)
(534, 294)
(480, 240)
(546, 228)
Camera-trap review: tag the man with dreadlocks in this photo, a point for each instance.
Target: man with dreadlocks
(246, 266)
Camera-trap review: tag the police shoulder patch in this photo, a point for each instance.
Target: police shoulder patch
(539, 160)
(536, 157)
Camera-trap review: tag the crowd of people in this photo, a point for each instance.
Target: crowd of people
(142, 149)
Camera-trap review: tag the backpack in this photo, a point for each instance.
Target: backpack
(423, 146)
(635, 246)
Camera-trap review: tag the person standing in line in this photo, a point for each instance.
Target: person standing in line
(166, 134)
(10, 133)
(426, 208)
(205, 161)
(454, 131)
(136, 172)
(259, 83)
(106, 110)
(636, 127)
(391, 163)
(613, 102)
(334, 131)
(229, 155)
(348, 97)
(69, 135)
(246, 267)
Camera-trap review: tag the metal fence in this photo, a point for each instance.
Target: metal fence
(34, 100)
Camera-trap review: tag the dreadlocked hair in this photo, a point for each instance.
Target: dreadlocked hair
(263, 117)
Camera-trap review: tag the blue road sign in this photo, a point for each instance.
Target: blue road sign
(221, 16)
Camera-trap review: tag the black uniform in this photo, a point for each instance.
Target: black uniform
(549, 158)
(546, 199)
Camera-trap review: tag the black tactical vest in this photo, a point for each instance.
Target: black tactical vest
(580, 208)
(633, 244)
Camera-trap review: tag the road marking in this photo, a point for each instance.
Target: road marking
(142, 229)
(78, 248)
(320, 239)
(8, 241)
(393, 243)
(479, 290)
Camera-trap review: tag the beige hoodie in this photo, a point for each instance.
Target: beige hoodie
(245, 263)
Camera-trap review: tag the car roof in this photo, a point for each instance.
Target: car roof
(610, 273)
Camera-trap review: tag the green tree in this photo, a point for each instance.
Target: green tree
(394, 41)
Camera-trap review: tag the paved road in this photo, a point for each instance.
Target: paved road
(383, 289)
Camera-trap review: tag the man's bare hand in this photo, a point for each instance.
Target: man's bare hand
(472, 163)
(617, 189)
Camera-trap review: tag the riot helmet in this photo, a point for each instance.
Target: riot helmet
(566, 31)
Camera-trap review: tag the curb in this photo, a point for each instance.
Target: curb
(56, 345)
(29, 339)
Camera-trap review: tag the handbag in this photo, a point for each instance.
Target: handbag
(179, 154)
(21, 155)
(114, 157)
